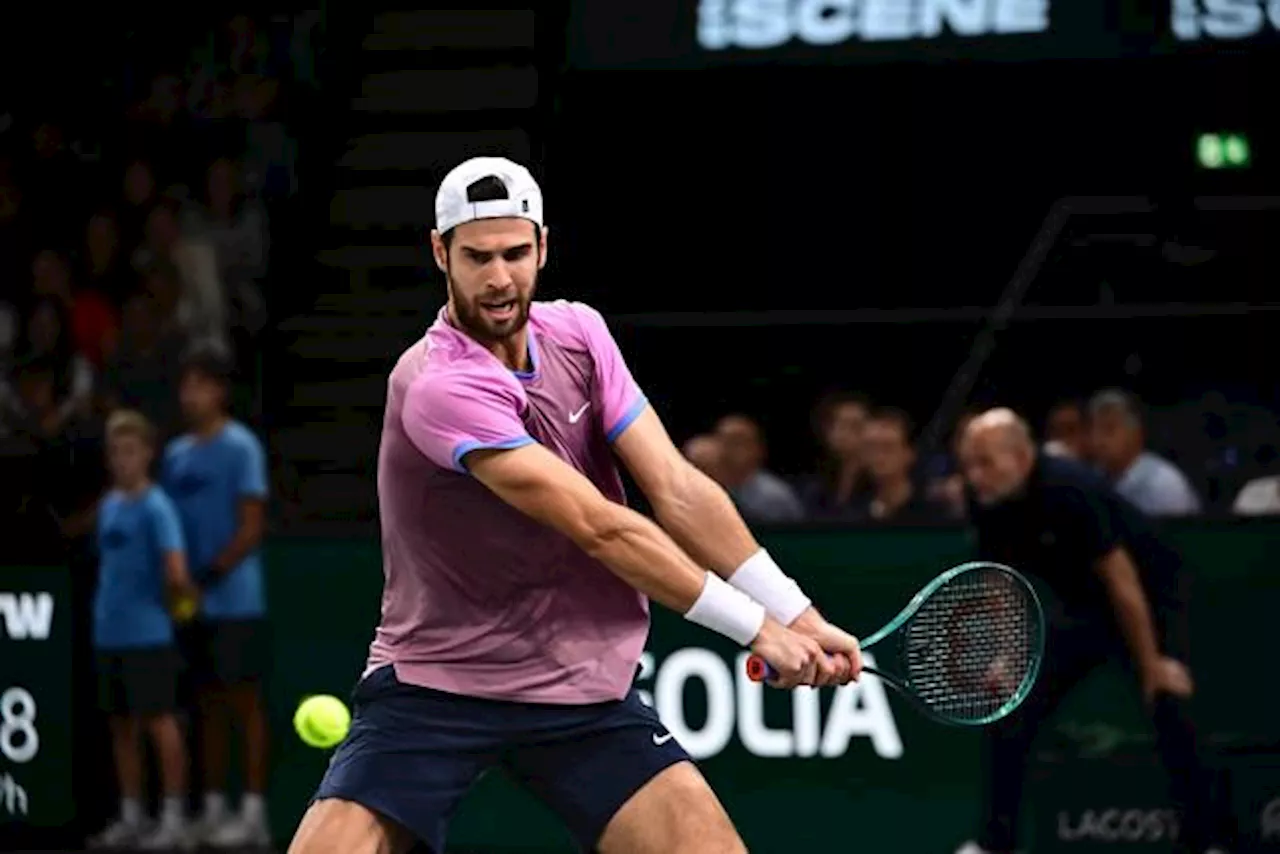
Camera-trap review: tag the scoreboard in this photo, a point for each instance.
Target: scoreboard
(36, 713)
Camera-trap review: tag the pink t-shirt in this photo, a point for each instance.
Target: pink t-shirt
(479, 598)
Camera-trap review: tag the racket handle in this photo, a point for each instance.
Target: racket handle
(759, 670)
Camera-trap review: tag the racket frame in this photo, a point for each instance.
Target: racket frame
(903, 685)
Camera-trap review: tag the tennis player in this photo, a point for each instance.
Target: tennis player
(517, 582)
(1117, 591)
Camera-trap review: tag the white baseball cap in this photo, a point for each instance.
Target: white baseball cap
(453, 208)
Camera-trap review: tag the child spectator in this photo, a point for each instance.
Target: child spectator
(143, 569)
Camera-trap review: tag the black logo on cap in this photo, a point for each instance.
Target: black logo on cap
(524, 206)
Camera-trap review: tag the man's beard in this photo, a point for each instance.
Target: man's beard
(471, 318)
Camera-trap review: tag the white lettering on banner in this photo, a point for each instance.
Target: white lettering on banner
(821, 23)
(1270, 819)
(668, 696)
(27, 615)
(19, 740)
(1224, 19)
(1119, 825)
(762, 24)
(857, 710)
(12, 796)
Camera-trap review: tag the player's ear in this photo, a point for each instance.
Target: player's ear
(542, 248)
(439, 251)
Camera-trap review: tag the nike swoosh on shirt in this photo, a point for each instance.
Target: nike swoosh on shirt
(660, 740)
(574, 416)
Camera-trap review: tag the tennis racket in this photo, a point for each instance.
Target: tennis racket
(966, 650)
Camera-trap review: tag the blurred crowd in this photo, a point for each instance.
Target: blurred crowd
(138, 211)
(872, 471)
(124, 241)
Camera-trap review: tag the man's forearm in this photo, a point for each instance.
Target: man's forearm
(1132, 611)
(699, 515)
(701, 518)
(644, 556)
(1134, 616)
(242, 544)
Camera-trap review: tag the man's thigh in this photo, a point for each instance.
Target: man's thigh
(618, 779)
(334, 826)
(674, 812)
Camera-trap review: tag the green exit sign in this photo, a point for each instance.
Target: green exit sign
(1223, 151)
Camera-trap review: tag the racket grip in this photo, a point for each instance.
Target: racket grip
(759, 670)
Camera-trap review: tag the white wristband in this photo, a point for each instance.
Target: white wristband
(764, 581)
(722, 609)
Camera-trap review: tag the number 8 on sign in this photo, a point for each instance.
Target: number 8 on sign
(19, 741)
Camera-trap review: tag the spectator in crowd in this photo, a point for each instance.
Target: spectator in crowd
(142, 565)
(160, 283)
(140, 193)
(1066, 434)
(92, 322)
(216, 474)
(65, 464)
(201, 304)
(891, 458)
(30, 399)
(248, 52)
(838, 490)
(159, 127)
(143, 371)
(60, 315)
(707, 454)
(102, 268)
(1259, 497)
(761, 495)
(35, 459)
(236, 225)
(1117, 443)
(46, 339)
(258, 70)
(947, 490)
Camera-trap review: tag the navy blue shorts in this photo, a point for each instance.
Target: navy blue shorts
(414, 752)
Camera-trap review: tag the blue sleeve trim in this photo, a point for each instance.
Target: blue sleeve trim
(625, 421)
(506, 445)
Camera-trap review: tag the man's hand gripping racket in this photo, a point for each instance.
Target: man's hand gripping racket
(966, 650)
(810, 651)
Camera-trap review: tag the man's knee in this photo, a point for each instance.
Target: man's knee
(333, 826)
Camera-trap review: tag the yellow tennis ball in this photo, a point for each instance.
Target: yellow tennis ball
(322, 720)
(184, 609)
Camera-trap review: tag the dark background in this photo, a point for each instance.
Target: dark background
(913, 186)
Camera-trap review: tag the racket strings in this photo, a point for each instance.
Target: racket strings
(971, 648)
